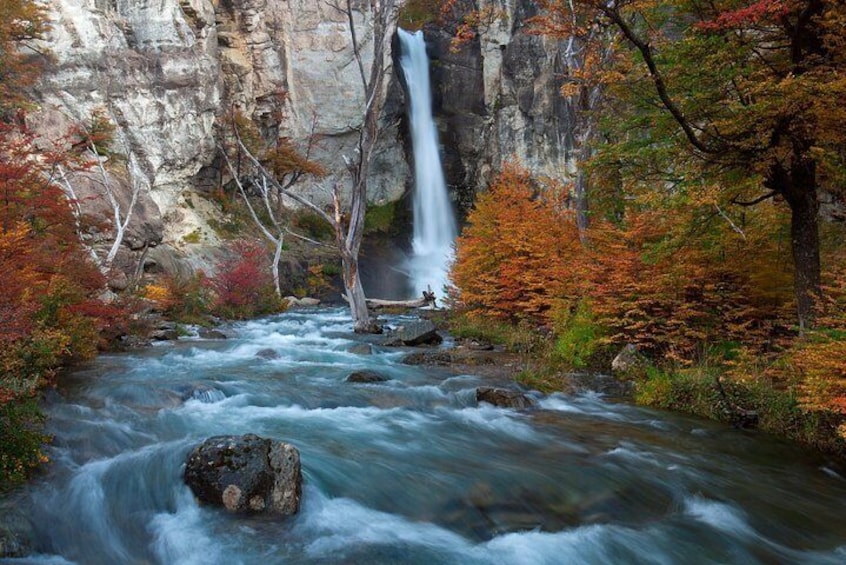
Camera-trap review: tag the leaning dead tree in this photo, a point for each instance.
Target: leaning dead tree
(346, 216)
(271, 180)
(383, 16)
(105, 184)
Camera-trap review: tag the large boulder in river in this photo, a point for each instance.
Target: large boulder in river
(246, 474)
(420, 332)
(503, 398)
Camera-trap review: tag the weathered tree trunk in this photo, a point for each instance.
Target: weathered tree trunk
(800, 191)
(362, 322)
(277, 255)
(805, 245)
(414, 303)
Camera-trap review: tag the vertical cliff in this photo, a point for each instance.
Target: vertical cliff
(498, 98)
(167, 71)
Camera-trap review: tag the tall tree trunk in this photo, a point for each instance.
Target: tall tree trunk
(799, 188)
(362, 323)
(805, 244)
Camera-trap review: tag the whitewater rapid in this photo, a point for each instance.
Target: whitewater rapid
(411, 470)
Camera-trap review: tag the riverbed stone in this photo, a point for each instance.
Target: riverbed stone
(205, 393)
(428, 358)
(305, 301)
(503, 398)
(420, 332)
(366, 377)
(209, 333)
(246, 474)
(629, 359)
(267, 353)
(362, 349)
(17, 535)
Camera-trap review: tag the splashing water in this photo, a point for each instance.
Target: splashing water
(434, 221)
(411, 470)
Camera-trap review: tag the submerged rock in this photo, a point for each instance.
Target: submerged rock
(17, 535)
(208, 333)
(267, 353)
(199, 391)
(246, 474)
(362, 349)
(421, 332)
(366, 377)
(503, 398)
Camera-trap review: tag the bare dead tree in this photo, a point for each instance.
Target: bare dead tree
(346, 218)
(120, 216)
(272, 187)
(383, 16)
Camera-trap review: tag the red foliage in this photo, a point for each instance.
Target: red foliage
(242, 285)
(744, 16)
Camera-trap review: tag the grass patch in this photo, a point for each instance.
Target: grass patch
(313, 226)
(578, 338)
(194, 237)
(516, 339)
(695, 391)
(380, 218)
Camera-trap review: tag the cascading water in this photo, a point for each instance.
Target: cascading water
(434, 221)
(411, 470)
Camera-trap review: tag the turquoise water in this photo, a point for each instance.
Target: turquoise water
(411, 470)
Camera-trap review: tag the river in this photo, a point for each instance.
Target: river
(411, 470)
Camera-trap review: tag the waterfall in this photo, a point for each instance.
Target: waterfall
(434, 221)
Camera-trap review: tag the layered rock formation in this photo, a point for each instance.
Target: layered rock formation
(498, 98)
(167, 71)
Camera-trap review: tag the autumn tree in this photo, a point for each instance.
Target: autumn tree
(512, 260)
(50, 311)
(24, 22)
(735, 89)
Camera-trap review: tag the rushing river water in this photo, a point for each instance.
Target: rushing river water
(411, 470)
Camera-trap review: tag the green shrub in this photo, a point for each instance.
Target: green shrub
(380, 218)
(313, 226)
(578, 338)
(417, 13)
(21, 441)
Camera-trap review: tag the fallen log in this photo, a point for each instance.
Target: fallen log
(376, 303)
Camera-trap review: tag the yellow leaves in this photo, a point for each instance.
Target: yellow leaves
(158, 294)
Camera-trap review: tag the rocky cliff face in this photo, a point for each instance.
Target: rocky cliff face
(498, 99)
(167, 71)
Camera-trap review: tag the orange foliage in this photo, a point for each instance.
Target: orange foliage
(467, 22)
(674, 284)
(675, 299)
(23, 21)
(512, 260)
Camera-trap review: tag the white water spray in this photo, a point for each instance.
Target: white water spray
(434, 222)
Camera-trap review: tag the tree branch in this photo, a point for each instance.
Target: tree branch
(612, 12)
(758, 200)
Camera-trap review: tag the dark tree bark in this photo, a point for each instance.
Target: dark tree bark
(798, 186)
